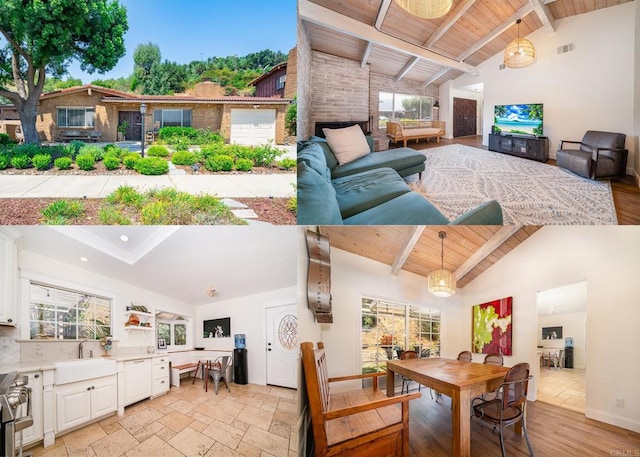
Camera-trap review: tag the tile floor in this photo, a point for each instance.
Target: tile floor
(564, 388)
(251, 421)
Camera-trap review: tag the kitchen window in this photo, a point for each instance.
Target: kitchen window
(172, 117)
(76, 117)
(64, 314)
(389, 327)
(172, 328)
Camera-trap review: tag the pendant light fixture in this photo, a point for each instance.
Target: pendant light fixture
(519, 53)
(441, 283)
(427, 9)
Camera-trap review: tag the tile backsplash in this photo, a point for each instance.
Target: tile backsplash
(9, 346)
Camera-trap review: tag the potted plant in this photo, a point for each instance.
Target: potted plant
(386, 341)
(122, 130)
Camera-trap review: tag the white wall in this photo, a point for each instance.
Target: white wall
(573, 325)
(635, 161)
(608, 258)
(247, 316)
(589, 88)
(61, 274)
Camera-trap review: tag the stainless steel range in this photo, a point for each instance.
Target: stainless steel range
(13, 393)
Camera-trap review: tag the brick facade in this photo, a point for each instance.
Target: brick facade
(291, 86)
(303, 70)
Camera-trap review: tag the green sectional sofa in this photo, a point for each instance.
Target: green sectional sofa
(370, 190)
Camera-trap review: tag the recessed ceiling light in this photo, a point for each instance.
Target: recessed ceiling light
(84, 259)
(124, 238)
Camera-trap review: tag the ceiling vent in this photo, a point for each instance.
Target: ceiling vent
(566, 48)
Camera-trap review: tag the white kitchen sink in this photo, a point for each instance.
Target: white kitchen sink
(81, 369)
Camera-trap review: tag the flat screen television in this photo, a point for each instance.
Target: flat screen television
(523, 119)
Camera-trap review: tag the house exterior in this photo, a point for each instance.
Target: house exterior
(9, 120)
(89, 108)
(271, 84)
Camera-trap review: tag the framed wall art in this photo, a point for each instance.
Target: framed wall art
(217, 328)
(492, 327)
(551, 333)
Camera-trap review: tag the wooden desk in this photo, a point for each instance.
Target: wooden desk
(459, 380)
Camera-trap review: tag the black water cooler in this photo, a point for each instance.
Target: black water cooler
(568, 357)
(240, 374)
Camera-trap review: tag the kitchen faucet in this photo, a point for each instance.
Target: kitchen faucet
(80, 351)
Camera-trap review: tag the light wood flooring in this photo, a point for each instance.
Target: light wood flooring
(553, 431)
(626, 193)
(252, 421)
(564, 388)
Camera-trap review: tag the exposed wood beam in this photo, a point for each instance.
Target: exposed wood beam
(437, 76)
(366, 54)
(439, 33)
(382, 13)
(495, 33)
(540, 7)
(337, 22)
(487, 248)
(403, 255)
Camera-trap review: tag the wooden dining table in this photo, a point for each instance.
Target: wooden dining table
(462, 381)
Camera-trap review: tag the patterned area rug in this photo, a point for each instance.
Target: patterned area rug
(458, 178)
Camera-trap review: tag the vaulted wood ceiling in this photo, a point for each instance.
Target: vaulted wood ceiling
(395, 43)
(468, 250)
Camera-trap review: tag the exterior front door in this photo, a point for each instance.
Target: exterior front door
(464, 117)
(134, 118)
(282, 346)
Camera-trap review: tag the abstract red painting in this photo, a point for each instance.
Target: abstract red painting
(492, 327)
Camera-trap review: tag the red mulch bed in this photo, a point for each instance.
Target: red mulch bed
(27, 211)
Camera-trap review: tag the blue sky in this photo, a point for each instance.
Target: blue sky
(187, 30)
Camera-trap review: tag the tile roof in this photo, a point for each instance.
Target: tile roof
(192, 99)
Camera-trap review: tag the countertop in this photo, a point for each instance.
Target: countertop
(50, 364)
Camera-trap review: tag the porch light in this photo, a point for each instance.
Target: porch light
(143, 111)
(520, 52)
(441, 283)
(427, 9)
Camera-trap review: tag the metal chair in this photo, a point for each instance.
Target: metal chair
(509, 406)
(406, 381)
(218, 371)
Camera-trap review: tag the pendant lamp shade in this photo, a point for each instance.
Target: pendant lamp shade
(441, 283)
(520, 52)
(427, 9)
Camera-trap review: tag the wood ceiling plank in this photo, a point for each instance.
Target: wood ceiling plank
(486, 249)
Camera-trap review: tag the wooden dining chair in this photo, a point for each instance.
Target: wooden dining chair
(363, 422)
(494, 358)
(465, 356)
(509, 406)
(406, 381)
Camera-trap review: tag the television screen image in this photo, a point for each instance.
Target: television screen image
(519, 119)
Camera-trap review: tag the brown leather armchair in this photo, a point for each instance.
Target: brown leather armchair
(600, 155)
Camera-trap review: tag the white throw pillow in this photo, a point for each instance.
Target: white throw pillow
(347, 144)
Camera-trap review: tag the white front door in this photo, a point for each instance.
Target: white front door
(253, 127)
(282, 346)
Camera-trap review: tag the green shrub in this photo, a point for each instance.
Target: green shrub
(219, 163)
(292, 204)
(4, 161)
(152, 166)
(96, 151)
(188, 135)
(111, 162)
(110, 216)
(155, 213)
(244, 164)
(287, 163)
(183, 158)
(130, 160)
(4, 138)
(41, 161)
(21, 161)
(60, 211)
(213, 149)
(109, 146)
(167, 133)
(125, 195)
(75, 146)
(26, 149)
(85, 161)
(265, 155)
(157, 151)
(182, 144)
(63, 163)
(291, 119)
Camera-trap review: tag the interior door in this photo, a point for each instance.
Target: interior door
(464, 117)
(282, 346)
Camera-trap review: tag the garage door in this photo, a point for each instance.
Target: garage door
(253, 126)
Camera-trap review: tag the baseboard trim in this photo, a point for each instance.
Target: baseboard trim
(613, 419)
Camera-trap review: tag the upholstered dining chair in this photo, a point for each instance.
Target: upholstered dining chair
(509, 406)
(406, 381)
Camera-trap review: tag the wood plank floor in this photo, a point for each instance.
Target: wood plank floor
(626, 193)
(553, 431)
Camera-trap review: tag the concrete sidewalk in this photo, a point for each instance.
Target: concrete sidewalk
(99, 186)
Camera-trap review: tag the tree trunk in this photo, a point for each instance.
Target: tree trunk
(28, 115)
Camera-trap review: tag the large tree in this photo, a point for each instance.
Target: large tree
(40, 37)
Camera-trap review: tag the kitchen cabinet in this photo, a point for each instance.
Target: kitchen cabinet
(160, 370)
(80, 402)
(137, 380)
(35, 432)
(8, 277)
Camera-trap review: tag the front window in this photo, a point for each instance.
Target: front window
(172, 117)
(409, 109)
(64, 314)
(388, 328)
(76, 117)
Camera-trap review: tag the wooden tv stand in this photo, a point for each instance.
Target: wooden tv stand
(535, 148)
